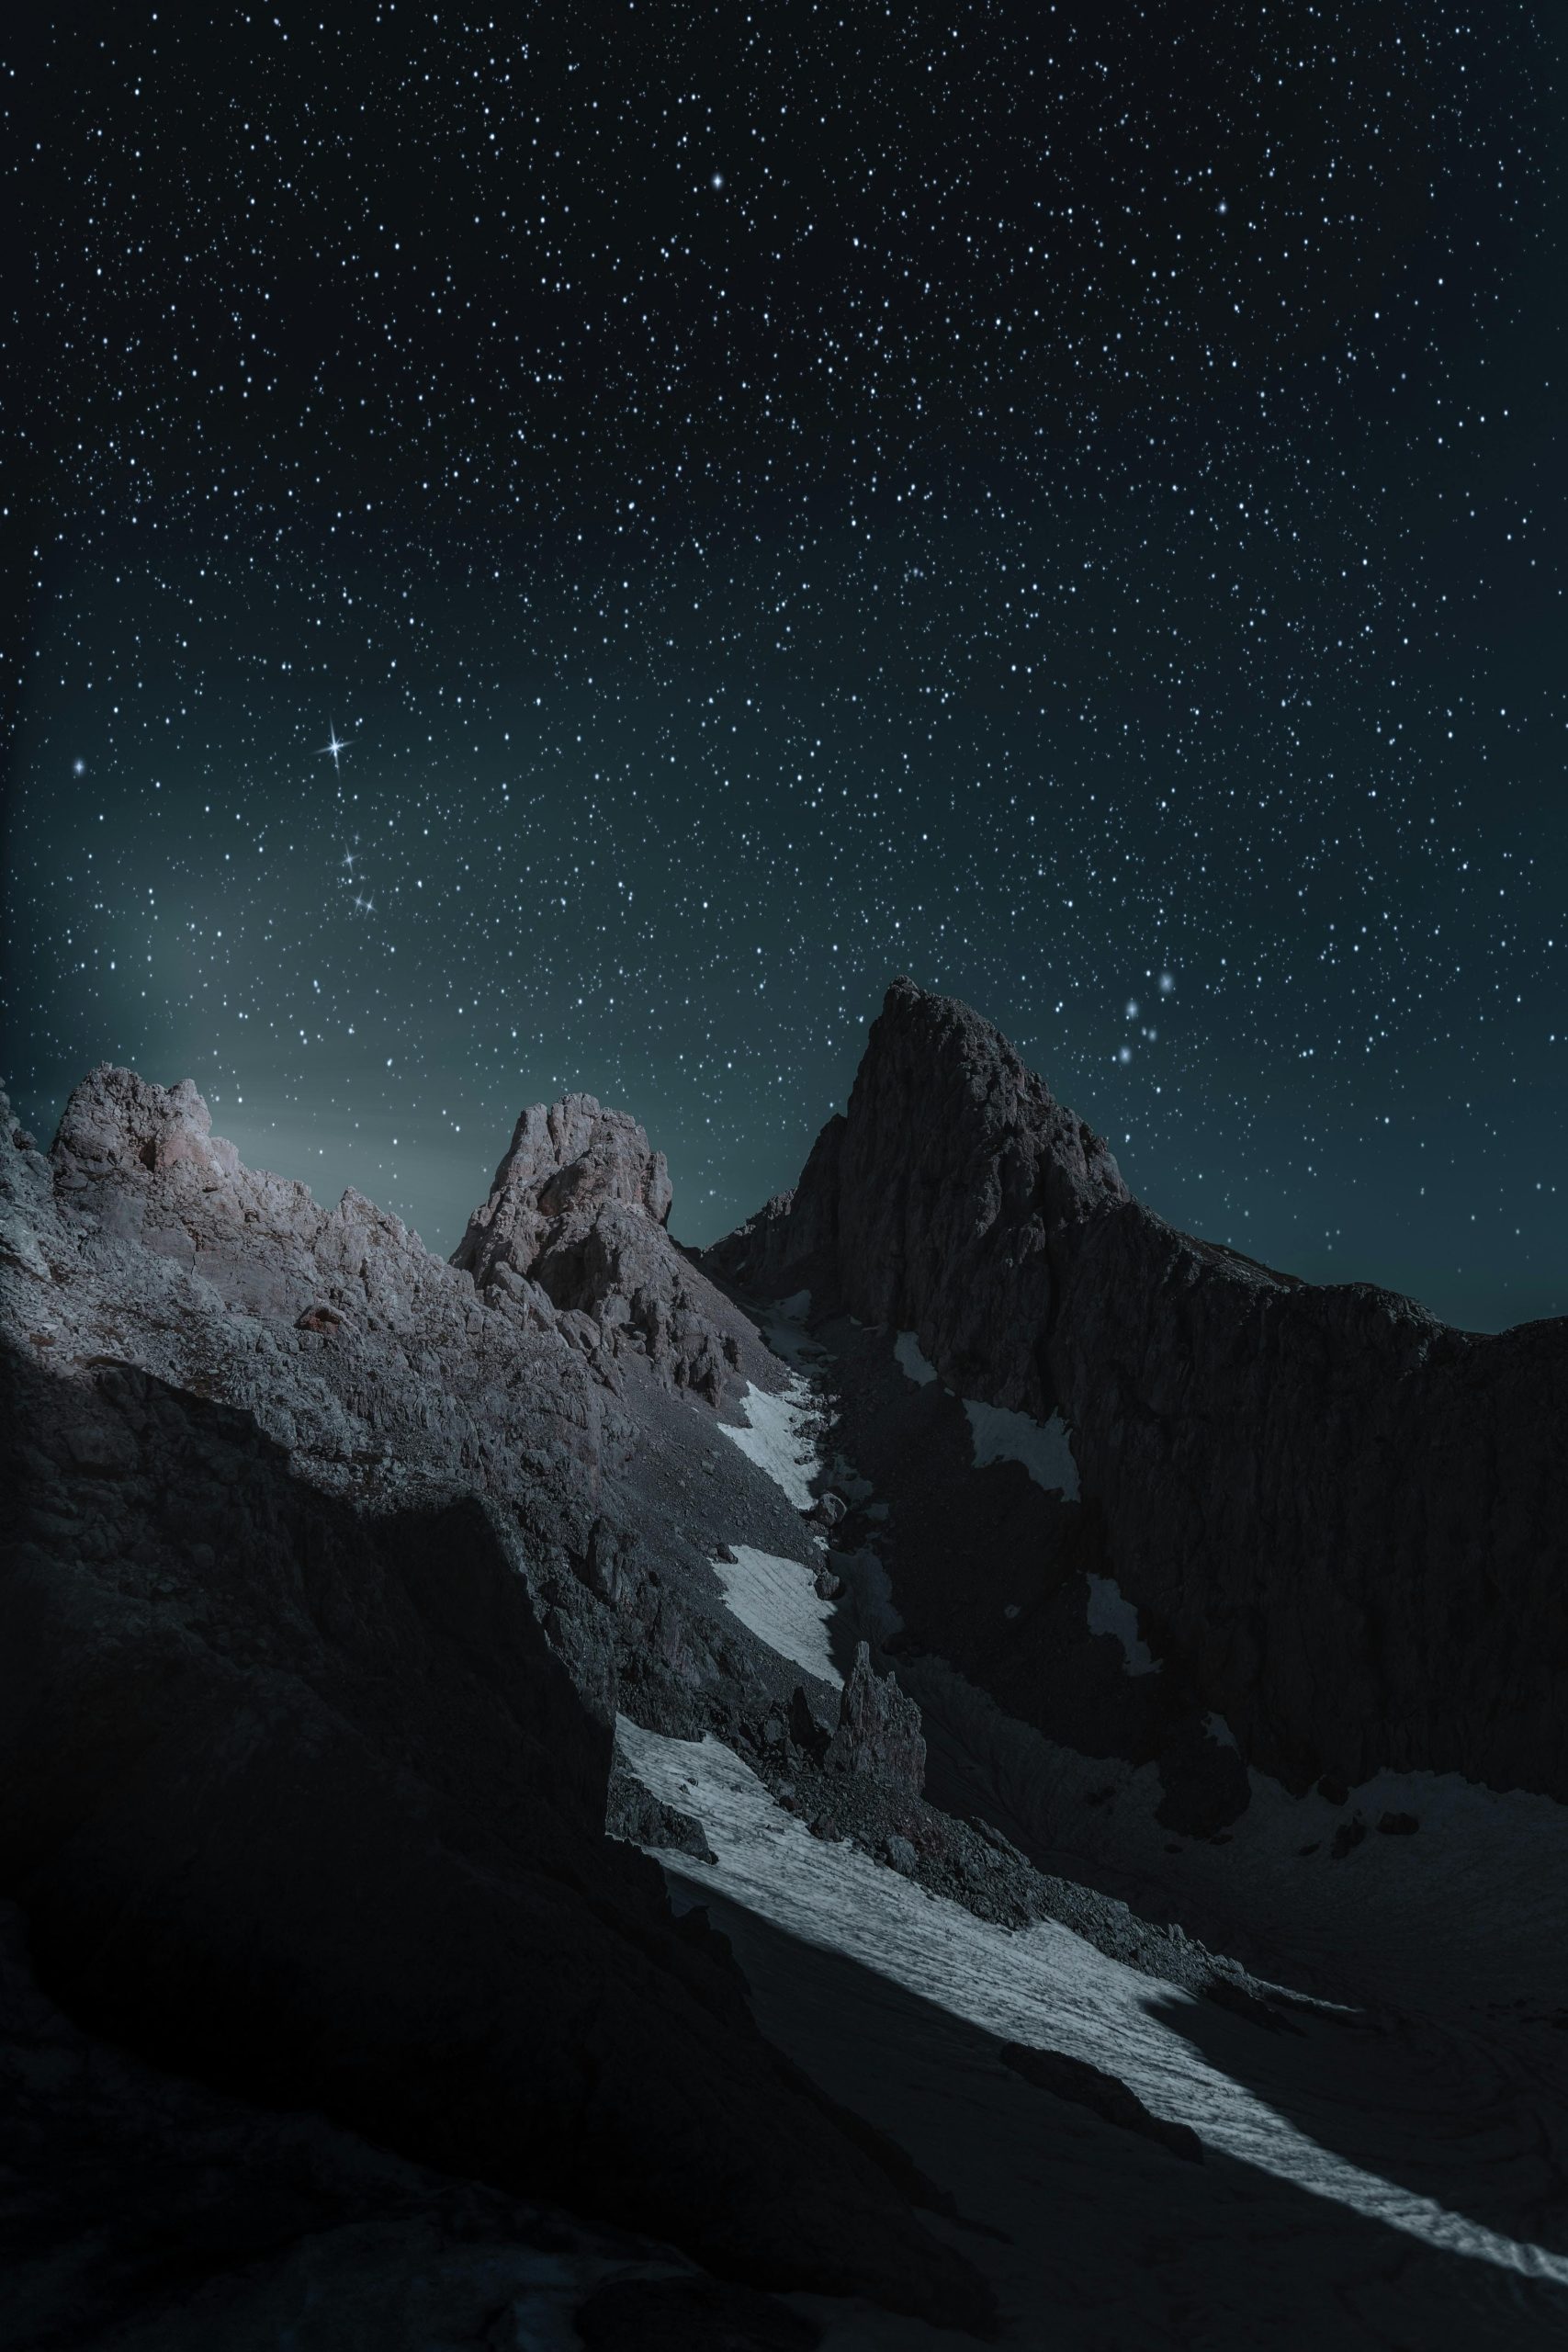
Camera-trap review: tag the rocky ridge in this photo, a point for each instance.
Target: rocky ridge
(1341, 1523)
(329, 1575)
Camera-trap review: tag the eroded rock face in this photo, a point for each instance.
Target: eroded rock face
(567, 1161)
(116, 1120)
(878, 1732)
(579, 1208)
(1344, 1526)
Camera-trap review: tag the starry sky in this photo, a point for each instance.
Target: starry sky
(1066, 501)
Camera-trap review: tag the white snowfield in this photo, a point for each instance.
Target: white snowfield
(998, 1434)
(1043, 1447)
(778, 1439)
(1109, 1612)
(776, 1600)
(1356, 2178)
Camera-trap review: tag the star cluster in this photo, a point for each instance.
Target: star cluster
(1065, 503)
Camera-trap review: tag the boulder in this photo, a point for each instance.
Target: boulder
(1105, 2094)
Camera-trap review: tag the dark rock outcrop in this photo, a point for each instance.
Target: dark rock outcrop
(579, 1209)
(1105, 2094)
(942, 1187)
(636, 1815)
(1342, 1525)
(878, 1732)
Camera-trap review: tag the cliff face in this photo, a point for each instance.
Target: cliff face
(1344, 1525)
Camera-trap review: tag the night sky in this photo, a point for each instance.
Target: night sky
(1065, 502)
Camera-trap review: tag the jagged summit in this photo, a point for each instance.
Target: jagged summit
(117, 1120)
(930, 1203)
(579, 1208)
(569, 1158)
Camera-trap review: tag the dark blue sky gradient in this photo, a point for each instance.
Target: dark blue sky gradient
(1066, 505)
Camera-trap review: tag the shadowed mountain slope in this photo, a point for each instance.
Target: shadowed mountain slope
(1342, 1525)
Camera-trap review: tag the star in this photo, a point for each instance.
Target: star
(338, 745)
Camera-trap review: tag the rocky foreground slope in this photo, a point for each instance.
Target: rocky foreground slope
(324, 1572)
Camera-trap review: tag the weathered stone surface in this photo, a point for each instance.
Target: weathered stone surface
(579, 1208)
(117, 1120)
(19, 1249)
(634, 1813)
(1344, 1526)
(878, 1732)
(567, 1161)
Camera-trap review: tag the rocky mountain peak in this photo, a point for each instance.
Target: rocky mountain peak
(578, 1214)
(116, 1121)
(1341, 1519)
(567, 1162)
(933, 1203)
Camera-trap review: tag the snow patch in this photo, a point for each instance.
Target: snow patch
(910, 1361)
(848, 1482)
(1481, 1882)
(777, 1440)
(1044, 1987)
(795, 1308)
(777, 1600)
(1109, 1612)
(1043, 1448)
(1220, 1732)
